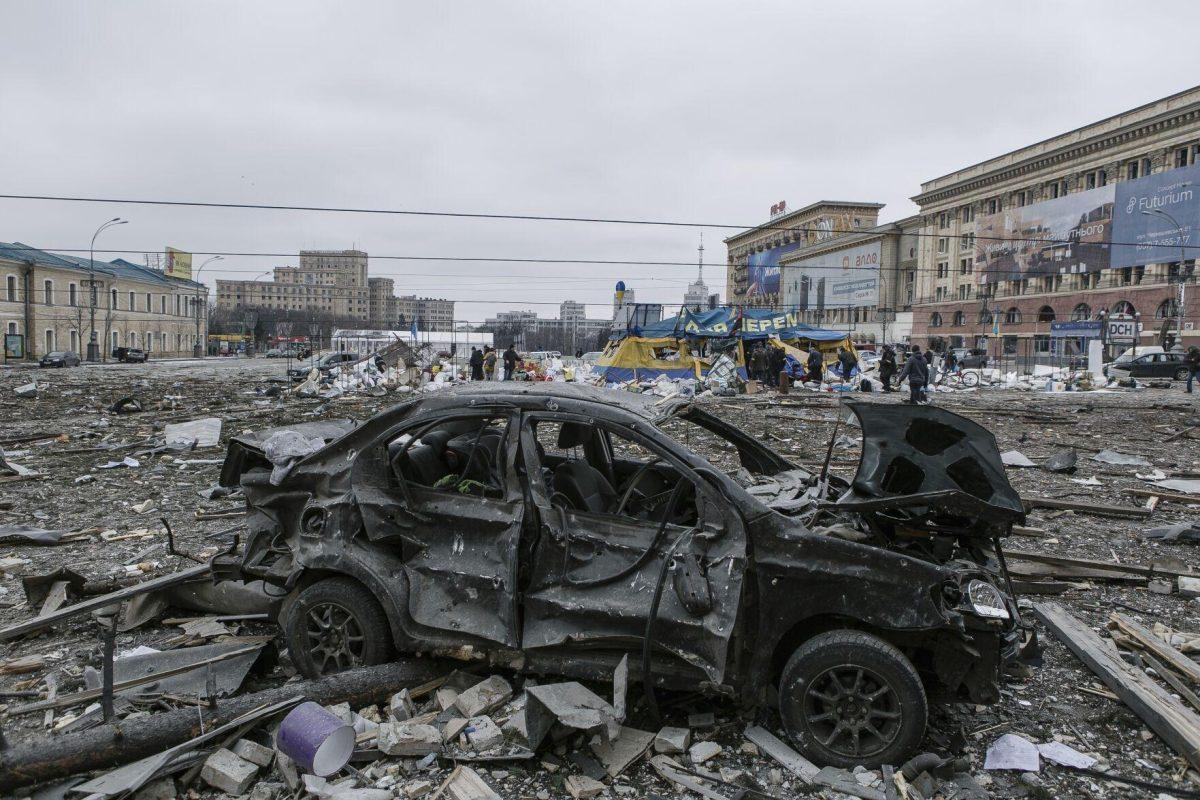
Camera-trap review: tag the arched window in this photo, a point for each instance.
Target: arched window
(935, 320)
(1167, 309)
(985, 317)
(1081, 313)
(1013, 316)
(1124, 307)
(1045, 314)
(960, 318)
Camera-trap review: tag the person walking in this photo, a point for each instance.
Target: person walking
(489, 362)
(917, 372)
(1192, 360)
(510, 361)
(931, 372)
(476, 363)
(950, 363)
(887, 367)
(816, 365)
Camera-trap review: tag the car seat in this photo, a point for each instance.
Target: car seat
(583, 487)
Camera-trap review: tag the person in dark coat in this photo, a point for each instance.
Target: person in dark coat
(887, 367)
(847, 362)
(1192, 362)
(816, 364)
(510, 361)
(917, 372)
(776, 362)
(476, 363)
(758, 363)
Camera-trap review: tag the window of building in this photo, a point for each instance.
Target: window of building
(944, 219)
(116, 339)
(968, 214)
(1052, 189)
(1021, 198)
(75, 341)
(12, 328)
(993, 205)
(1045, 314)
(1089, 180)
(960, 319)
(1181, 156)
(10, 289)
(967, 242)
(162, 304)
(149, 338)
(1167, 309)
(1147, 167)
(935, 320)
(48, 293)
(1123, 307)
(964, 292)
(1041, 344)
(943, 269)
(1131, 170)
(1081, 313)
(148, 309)
(73, 295)
(939, 294)
(49, 341)
(1013, 316)
(985, 317)
(132, 338)
(943, 244)
(178, 306)
(112, 298)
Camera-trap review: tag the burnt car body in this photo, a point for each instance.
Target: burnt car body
(555, 528)
(324, 365)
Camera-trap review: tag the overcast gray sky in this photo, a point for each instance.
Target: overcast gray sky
(693, 111)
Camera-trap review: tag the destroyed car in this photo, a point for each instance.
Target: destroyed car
(324, 365)
(555, 528)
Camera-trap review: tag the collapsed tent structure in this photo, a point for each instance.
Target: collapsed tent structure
(687, 345)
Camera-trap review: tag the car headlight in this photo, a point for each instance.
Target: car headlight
(986, 600)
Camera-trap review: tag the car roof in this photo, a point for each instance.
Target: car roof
(645, 405)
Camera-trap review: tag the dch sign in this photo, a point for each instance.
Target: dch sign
(1122, 330)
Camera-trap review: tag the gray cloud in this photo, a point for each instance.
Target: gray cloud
(669, 110)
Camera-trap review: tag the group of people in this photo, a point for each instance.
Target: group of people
(483, 362)
(766, 363)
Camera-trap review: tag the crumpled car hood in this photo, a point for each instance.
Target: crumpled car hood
(246, 451)
(915, 456)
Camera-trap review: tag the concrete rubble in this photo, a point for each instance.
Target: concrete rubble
(488, 732)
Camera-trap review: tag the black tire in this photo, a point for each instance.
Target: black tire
(333, 625)
(885, 694)
(1181, 374)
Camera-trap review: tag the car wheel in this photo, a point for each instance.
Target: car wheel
(1181, 374)
(849, 698)
(334, 625)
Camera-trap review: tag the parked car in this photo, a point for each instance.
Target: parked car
(60, 358)
(274, 352)
(556, 528)
(325, 363)
(1159, 364)
(971, 357)
(130, 355)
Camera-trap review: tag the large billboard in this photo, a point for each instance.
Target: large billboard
(838, 279)
(1066, 235)
(1142, 232)
(763, 270)
(179, 264)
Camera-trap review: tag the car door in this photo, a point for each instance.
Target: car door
(458, 538)
(594, 577)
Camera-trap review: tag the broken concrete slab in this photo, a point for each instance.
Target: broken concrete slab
(1120, 459)
(464, 783)
(253, 752)
(28, 390)
(581, 787)
(672, 740)
(401, 707)
(1015, 458)
(570, 704)
(484, 696)
(483, 733)
(407, 739)
(704, 751)
(627, 747)
(226, 771)
(196, 433)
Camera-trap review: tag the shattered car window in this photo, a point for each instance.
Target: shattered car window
(596, 470)
(463, 456)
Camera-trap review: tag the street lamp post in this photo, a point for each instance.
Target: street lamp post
(93, 348)
(1182, 256)
(197, 350)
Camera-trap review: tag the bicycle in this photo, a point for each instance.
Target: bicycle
(961, 379)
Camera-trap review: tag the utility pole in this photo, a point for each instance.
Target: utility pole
(197, 350)
(93, 348)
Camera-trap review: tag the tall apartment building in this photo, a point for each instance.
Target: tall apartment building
(1078, 227)
(335, 283)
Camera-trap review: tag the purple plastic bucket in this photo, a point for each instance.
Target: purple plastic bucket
(317, 740)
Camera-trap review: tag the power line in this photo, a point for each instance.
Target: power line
(529, 218)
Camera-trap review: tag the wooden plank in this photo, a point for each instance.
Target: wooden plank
(1085, 507)
(1178, 725)
(87, 606)
(1176, 683)
(1031, 569)
(1170, 497)
(1160, 649)
(1086, 563)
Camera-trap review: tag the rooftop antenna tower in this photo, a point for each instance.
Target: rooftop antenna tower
(700, 250)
